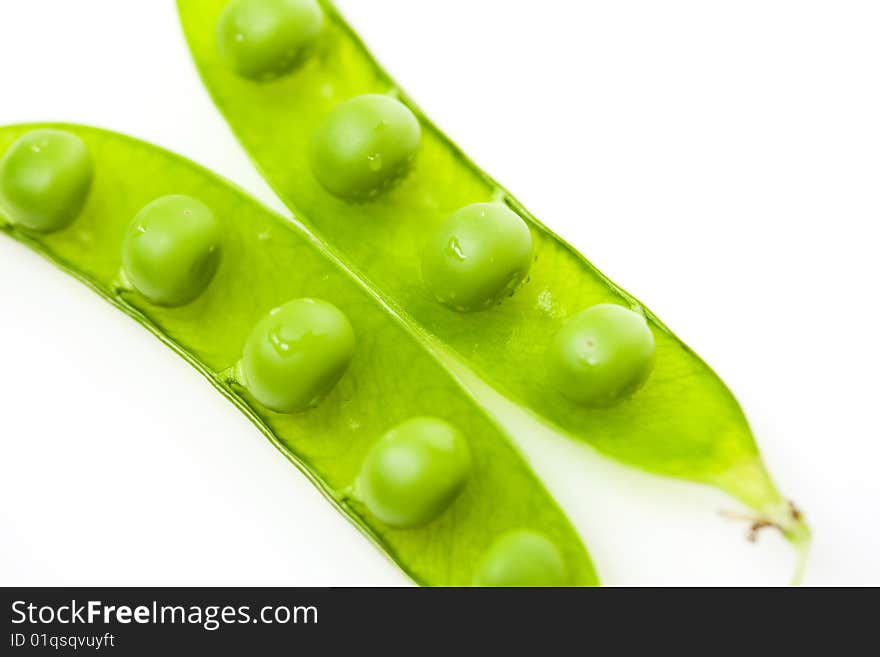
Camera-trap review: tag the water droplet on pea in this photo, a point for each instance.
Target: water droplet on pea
(45, 176)
(262, 40)
(364, 147)
(172, 250)
(498, 254)
(283, 337)
(296, 355)
(454, 249)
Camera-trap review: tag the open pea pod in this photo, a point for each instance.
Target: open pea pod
(358, 162)
(273, 321)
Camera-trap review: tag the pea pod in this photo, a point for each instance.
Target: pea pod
(317, 135)
(273, 321)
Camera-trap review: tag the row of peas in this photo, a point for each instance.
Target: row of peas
(482, 253)
(293, 356)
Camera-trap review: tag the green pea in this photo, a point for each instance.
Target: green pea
(414, 472)
(364, 146)
(296, 354)
(171, 250)
(45, 178)
(523, 558)
(480, 254)
(601, 355)
(264, 39)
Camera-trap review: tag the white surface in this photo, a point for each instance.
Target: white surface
(719, 160)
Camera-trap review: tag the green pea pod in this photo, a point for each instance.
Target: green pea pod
(382, 186)
(202, 266)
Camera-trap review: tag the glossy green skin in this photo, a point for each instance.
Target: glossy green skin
(265, 39)
(172, 249)
(364, 146)
(45, 178)
(683, 423)
(414, 472)
(267, 261)
(479, 255)
(523, 558)
(296, 354)
(602, 355)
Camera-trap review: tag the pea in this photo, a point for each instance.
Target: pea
(479, 255)
(601, 355)
(45, 178)
(523, 558)
(414, 472)
(296, 354)
(171, 250)
(265, 39)
(364, 146)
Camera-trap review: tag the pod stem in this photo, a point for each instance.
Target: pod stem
(789, 521)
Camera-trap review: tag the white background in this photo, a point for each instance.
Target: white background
(721, 160)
